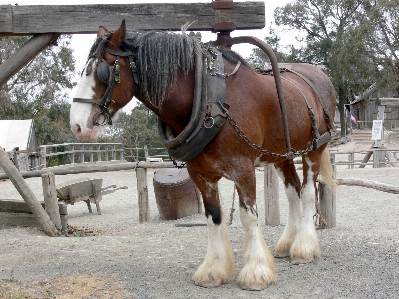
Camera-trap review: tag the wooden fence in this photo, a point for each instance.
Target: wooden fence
(382, 157)
(71, 153)
(144, 153)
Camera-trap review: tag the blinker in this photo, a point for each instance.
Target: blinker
(103, 72)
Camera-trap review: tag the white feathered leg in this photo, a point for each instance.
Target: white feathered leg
(258, 271)
(218, 266)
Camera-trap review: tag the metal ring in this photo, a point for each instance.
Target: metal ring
(105, 120)
(213, 122)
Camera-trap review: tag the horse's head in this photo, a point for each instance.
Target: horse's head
(106, 85)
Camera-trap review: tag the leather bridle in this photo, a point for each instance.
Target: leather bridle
(109, 75)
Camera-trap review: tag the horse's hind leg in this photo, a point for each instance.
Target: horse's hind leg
(299, 239)
(218, 266)
(306, 246)
(258, 270)
(286, 171)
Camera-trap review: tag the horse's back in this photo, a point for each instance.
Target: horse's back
(319, 80)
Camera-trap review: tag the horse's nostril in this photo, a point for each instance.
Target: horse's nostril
(78, 129)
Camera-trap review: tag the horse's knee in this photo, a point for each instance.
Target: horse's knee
(214, 211)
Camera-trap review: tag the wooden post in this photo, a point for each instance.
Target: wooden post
(142, 189)
(327, 200)
(113, 152)
(351, 158)
(98, 153)
(366, 159)
(43, 158)
(72, 154)
(272, 209)
(328, 208)
(50, 198)
(121, 154)
(82, 153)
(27, 194)
(91, 153)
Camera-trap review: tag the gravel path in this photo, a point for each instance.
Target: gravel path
(360, 257)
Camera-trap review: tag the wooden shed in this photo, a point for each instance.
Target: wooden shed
(18, 138)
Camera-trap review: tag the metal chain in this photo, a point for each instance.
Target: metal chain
(182, 164)
(258, 148)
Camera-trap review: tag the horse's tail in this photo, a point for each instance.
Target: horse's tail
(326, 170)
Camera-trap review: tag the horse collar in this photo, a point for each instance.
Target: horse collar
(212, 114)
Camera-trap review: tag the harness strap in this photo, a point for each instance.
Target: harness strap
(329, 121)
(118, 53)
(318, 139)
(82, 100)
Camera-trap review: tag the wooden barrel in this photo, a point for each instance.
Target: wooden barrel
(176, 194)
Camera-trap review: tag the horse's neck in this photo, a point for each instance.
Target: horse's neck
(176, 109)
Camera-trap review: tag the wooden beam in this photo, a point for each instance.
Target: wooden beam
(19, 206)
(389, 102)
(24, 54)
(89, 168)
(369, 184)
(28, 195)
(30, 19)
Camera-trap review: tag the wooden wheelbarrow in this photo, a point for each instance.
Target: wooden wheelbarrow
(84, 189)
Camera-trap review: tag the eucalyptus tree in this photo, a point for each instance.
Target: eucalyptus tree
(383, 17)
(40, 90)
(137, 129)
(327, 29)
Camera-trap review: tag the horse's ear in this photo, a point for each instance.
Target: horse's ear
(120, 34)
(101, 31)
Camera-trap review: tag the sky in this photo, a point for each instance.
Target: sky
(81, 43)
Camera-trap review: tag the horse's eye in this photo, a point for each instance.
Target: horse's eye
(103, 72)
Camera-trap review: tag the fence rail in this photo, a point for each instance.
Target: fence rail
(71, 153)
(143, 153)
(82, 152)
(382, 157)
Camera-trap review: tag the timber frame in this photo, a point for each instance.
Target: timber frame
(47, 22)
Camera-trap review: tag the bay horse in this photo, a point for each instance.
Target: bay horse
(158, 68)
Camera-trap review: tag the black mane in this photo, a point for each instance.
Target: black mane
(159, 56)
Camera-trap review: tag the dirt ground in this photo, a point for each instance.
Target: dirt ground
(113, 256)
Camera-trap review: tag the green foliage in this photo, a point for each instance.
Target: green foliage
(356, 41)
(136, 130)
(260, 59)
(40, 89)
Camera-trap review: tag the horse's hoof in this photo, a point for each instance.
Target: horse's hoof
(298, 261)
(254, 287)
(281, 254)
(209, 284)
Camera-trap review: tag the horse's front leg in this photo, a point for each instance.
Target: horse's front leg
(218, 266)
(258, 270)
